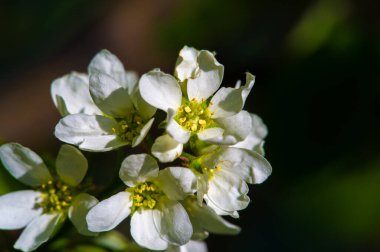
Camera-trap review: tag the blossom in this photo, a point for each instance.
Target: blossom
(190, 103)
(42, 209)
(166, 149)
(222, 177)
(104, 110)
(157, 218)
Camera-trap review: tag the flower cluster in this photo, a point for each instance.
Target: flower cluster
(196, 170)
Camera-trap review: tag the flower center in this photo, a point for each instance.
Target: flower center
(194, 116)
(205, 171)
(145, 195)
(129, 128)
(55, 196)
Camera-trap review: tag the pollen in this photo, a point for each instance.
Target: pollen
(129, 128)
(56, 196)
(207, 172)
(144, 195)
(194, 116)
(194, 127)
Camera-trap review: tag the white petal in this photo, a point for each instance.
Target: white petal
(187, 65)
(202, 187)
(210, 133)
(89, 132)
(176, 131)
(107, 63)
(166, 149)
(110, 96)
(261, 169)
(144, 131)
(160, 90)
(194, 246)
(198, 232)
(256, 136)
(229, 101)
(24, 164)
(172, 222)
(38, 231)
(260, 148)
(79, 209)
(249, 82)
(144, 109)
(177, 182)
(226, 102)
(236, 128)
(132, 80)
(208, 219)
(71, 165)
(71, 95)
(138, 168)
(209, 78)
(248, 165)
(227, 191)
(144, 232)
(109, 213)
(19, 208)
(219, 211)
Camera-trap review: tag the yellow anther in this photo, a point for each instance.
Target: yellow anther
(144, 195)
(129, 127)
(182, 119)
(194, 127)
(55, 196)
(194, 116)
(151, 203)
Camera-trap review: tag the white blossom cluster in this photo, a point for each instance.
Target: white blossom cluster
(197, 171)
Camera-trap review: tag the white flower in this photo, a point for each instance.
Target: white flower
(191, 107)
(104, 110)
(223, 176)
(166, 149)
(44, 208)
(158, 219)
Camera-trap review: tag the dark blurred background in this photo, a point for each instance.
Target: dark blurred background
(317, 65)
